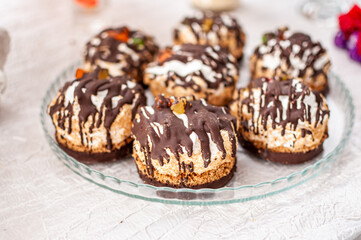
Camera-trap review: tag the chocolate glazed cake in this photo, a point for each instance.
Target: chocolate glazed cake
(212, 29)
(202, 71)
(93, 115)
(287, 55)
(120, 50)
(183, 142)
(281, 121)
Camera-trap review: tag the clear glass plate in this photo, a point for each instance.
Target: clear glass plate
(253, 179)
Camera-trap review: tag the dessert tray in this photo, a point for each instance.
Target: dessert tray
(254, 178)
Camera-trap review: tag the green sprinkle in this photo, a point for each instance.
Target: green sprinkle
(264, 39)
(138, 41)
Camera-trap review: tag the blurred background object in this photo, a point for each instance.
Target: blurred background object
(349, 35)
(323, 11)
(4, 50)
(87, 14)
(89, 5)
(215, 5)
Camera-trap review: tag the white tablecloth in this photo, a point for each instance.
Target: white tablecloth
(41, 198)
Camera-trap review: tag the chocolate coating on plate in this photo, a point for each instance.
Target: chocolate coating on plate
(292, 110)
(115, 44)
(297, 50)
(90, 85)
(213, 64)
(203, 119)
(211, 22)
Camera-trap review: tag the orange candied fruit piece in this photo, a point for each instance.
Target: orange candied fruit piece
(164, 55)
(80, 73)
(103, 74)
(179, 106)
(207, 24)
(120, 36)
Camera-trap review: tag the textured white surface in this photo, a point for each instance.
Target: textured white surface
(42, 199)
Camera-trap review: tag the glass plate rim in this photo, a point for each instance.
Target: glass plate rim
(337, 150)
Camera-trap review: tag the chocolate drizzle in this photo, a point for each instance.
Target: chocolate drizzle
(106, 46)
(175, 136)
(212, 22)
(297, 51)
(219, 61)
(292, 110)
(87, 87)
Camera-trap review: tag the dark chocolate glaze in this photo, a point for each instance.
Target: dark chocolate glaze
(91, 158)
(306, 46)
(188, 52)
(89, 85)
(281, 157)
(271, 106)
(215, 26)
(215, 184)
(107, 50)
(201, 120)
